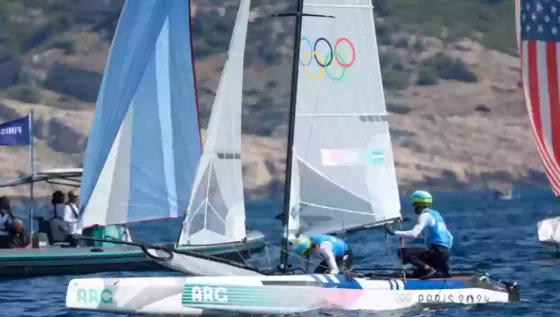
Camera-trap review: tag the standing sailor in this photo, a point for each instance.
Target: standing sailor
(434, 259)
(71, 213)
(336, 254)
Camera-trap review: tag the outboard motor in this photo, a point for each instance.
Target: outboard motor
(39, 240)
(513, 292)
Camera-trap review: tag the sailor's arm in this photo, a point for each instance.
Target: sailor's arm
(326, 250)
(423, 221)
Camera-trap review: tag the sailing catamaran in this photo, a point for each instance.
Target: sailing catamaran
(143, 150)
(537, 50)
(339, 163)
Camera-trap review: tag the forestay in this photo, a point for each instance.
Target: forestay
(144, 142)
(343, 160)
(216, 211)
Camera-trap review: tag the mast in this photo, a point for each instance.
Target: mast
(291, 125)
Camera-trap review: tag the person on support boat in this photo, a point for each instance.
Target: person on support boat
(21, 238)
(71, 212)
(6, 223)
(336, 254)
(433, 260)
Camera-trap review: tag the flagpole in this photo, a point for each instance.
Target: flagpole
(32, 170)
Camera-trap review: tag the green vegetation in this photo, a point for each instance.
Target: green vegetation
(445, 67)
(62, 42)
(419, 46)
(24, 93)
(427, 77)
(34, 25)
(65, 102)
(217, 31)
(490, 21)
(394, 74)
(398, 108)
(27, 24)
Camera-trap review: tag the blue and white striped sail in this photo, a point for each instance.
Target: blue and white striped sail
(343, 170)
(216, 211)
(144, 143)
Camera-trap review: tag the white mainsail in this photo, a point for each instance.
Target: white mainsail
(343, 160)
(216, 211)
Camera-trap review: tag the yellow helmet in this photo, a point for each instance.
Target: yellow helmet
(301, 245)
(421, 198)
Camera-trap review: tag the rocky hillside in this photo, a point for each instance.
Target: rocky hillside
(450, 73)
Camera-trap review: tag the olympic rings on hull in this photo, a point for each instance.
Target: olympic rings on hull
(326, 62)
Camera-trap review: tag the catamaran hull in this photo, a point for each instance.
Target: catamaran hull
(194, 296)
(24, 263)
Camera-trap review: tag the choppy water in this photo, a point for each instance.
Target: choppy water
(498, 236)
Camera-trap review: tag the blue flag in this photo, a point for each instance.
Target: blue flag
(15, 132)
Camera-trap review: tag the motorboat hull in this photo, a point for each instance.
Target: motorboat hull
(23, 263)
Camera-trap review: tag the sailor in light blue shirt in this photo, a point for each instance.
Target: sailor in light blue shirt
(433, 260)
(336, 254)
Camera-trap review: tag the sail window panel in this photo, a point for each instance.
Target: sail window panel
(327, 205)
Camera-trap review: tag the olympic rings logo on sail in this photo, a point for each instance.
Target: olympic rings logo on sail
(326, 61)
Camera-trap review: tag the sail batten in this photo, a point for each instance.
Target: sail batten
(216, 210)
(144, 143)
(343, 170)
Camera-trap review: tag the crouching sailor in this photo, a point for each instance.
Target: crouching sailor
(434, 259)
(336, 254)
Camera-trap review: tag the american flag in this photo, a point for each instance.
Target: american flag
(538, 23)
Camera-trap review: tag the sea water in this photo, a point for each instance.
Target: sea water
(498, 236)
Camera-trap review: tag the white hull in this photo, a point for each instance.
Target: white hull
(549, 231)
(193, 296)
(199, 265)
